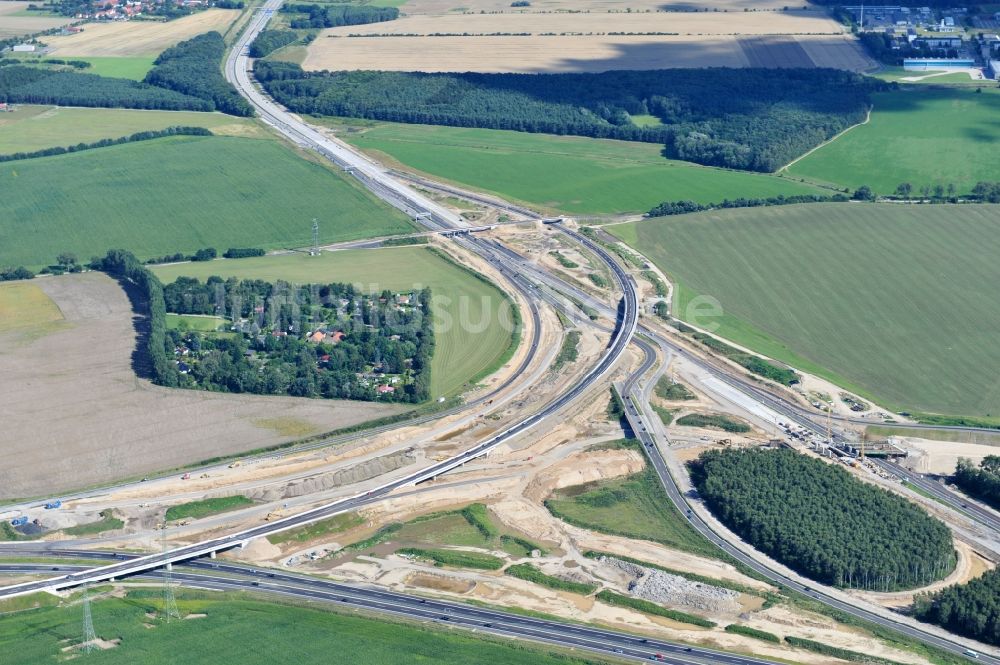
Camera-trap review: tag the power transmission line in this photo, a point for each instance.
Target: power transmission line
(170, 610)
(89, 635)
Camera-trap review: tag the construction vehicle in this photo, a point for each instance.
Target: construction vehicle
(52, 505)
(19, 521)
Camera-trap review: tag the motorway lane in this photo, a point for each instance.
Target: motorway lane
(637, 416)
(431, 214)
(223, 576)
(620, 340)
(788, 409)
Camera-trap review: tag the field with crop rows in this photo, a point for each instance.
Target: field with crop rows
(872, 296)
(918, 135)
(570, 174)
(177, 195)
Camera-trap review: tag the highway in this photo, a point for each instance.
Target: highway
(223, 576)
(434, 216)
(641, 420)
(619, 342)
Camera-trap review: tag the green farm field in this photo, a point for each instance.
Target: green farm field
(921, 135)
(894, 302)
(238, 628)
(179, 194)
(462, 352)
(32, 127)
(569, 174)
(124, 67)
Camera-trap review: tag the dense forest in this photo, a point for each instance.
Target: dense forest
(193, 67)
(332, 16)
(268, 41)
(971, 609)
(818, 520)
(34, 85)
(314, 340)
(983, 481)
(755, 119)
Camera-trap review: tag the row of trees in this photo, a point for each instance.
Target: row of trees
(35, 85)
(818, 520)
(971, 609)
(192, 67)
(124, 266)
(103, 143)
(268, 41)
(983, 481)
(668, 208)
(985, 192)
(756, 119)
(11, 273)
(332, 16)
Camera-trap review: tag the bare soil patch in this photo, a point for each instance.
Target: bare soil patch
(75, 414)
(138, 38)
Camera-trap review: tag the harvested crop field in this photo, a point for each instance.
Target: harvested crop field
(412, 7)
(588, 42)
(559, 54)
(598, 23)
(16, 20)
(75, 414)
(556, 54)
(138, 38)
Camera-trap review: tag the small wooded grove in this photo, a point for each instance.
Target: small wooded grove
(34, 85)
(983, 481)
(268, 41)
(192, 67)
(318, 340)
(971, 609)
(186, 77)
(386, 339)
(332, 16)
(754, 119)
(820, 521)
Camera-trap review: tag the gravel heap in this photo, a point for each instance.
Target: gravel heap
(673, 590)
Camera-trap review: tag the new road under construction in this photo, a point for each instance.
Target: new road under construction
(626, 339)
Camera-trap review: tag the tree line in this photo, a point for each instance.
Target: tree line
(332, 16)
(971, 609)
(104, 143)
(820, 521)
(268, 41)
(185, 77)
(34, 85)
(193, 67)
(123, 265)
(751, 119)
(983, 481)
(668, 208)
